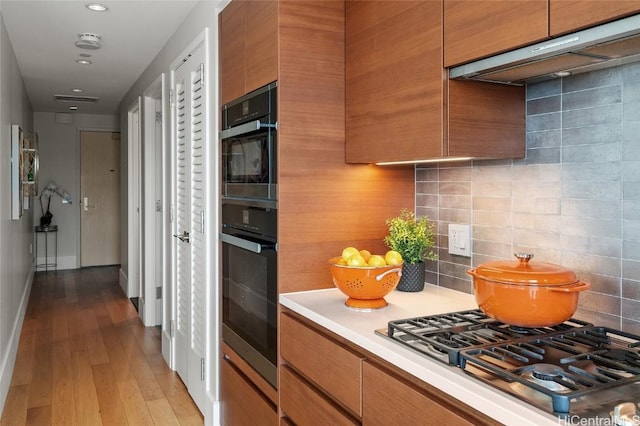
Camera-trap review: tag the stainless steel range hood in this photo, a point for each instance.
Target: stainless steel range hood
(604, 46)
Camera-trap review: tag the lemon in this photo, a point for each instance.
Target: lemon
(348, 252)
(392, 257)
(366, 254)
(376, 260)
(356, 260)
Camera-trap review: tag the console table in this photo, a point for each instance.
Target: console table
(46, 230)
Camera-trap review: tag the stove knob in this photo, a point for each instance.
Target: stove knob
(625, 414)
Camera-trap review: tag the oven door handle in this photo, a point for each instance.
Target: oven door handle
(249, 127)
(246, 244)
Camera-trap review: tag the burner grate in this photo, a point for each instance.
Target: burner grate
(585, 361)
(443, 336)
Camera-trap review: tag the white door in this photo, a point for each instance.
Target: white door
(134, 244)
(150, 299)
(100, 203)
(190, 260)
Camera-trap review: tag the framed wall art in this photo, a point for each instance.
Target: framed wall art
(17, 165)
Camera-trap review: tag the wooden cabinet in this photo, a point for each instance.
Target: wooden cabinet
(394, 81)
(331, 367)
(242, 396)
(400, 105)
(319, 370)
(477, 28)
(570, 15)
(324, 204)
(248, 47)
(303, 404)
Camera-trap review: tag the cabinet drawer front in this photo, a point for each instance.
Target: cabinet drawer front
(387, 400)
(237, 394)
(322, 361)
(304, 406)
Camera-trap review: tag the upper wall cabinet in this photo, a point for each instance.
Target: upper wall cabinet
(571, 15)
(476, 28)
(248, 48)
(400, 105)
(394, 80)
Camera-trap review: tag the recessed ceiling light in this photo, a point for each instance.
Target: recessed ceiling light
(73, 108)
(562, 74)
(84, 62)
(77, 90)
(85, 55)
(96, 7)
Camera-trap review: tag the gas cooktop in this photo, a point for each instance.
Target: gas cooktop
(571, 369)
(444, 336)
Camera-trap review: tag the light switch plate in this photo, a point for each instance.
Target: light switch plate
(460, 239)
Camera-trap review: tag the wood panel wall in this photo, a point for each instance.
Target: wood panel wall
(324, 204)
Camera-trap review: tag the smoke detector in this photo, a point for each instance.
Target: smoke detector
(89, 41)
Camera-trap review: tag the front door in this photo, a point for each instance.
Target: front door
(100, 198)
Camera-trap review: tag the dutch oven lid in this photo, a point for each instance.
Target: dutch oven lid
(523, 272)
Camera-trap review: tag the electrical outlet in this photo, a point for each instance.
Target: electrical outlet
(460, 239)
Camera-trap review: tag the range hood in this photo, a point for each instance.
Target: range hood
(604, 46)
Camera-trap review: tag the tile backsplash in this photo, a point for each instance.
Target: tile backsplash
(574, 200)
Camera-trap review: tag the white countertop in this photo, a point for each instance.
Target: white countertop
(326, 308)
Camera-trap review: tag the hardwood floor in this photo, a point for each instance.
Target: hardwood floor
(86, 359)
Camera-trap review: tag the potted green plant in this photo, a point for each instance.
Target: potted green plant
(413, 238)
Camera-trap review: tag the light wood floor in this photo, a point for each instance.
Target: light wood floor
(86, 359)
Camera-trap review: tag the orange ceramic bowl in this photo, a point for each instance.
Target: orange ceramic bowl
(366, 286)
(526, 294)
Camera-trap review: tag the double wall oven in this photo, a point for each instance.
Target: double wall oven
(249, 229)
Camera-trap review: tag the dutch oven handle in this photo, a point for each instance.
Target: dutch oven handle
(390, 271)
(580, 286)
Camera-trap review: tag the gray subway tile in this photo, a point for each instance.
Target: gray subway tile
(495, 189)
(630, 171)
(544, 139)
(536, 123)
(630, 72)
(455, 201)
(631, 250)
(592, 97)
(592, 172)
(631, 230)
(541, 156)
(599, 78)
(544, 89)
(492, 174)
(631, 92)
(499, 204)
(580, 207)
(598, 115)
(596, 153)
(605, 133)
(544, 105)
(591, 227)
(454, 188)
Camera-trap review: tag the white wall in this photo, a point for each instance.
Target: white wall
(16, 236)
(60, 163)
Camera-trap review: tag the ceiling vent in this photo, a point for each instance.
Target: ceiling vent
(75, 99)
(89, 41)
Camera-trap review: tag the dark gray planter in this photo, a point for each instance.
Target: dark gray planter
(412, 279)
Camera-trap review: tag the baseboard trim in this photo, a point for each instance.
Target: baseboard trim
(124, 282)
(8, 363)
(62, 262)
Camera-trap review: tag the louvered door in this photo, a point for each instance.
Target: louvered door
(190, 186)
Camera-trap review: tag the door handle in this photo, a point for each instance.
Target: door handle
(85, 204)
(184, 237)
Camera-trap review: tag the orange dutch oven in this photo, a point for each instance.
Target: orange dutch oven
(526, 294)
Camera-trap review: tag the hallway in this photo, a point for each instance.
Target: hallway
(86, 359)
